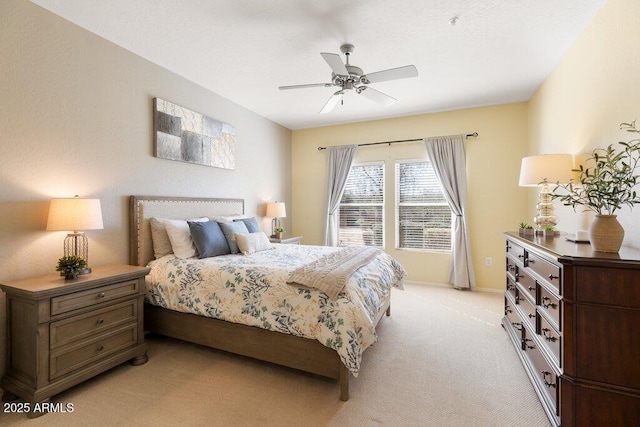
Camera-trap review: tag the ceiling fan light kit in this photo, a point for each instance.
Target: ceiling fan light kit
(349, 77)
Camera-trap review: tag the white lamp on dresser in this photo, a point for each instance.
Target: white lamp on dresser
(545, 171)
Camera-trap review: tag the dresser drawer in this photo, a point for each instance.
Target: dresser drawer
(516, 250)
(550, 305)
(512, 315)
(79, 327)
(527, 283)
(545, 377)
(511, 289)
(75, 356)
(511, 268)
(551, 339)
(528, 308)
(548, 271)
(74, 301)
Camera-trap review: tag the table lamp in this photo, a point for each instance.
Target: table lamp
(545, 171)
(75, 214)
(276, 210)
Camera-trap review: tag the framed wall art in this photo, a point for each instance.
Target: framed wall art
(187, 136)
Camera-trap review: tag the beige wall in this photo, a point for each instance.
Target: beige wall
(76, 118)
(583, 101)
(496, 203)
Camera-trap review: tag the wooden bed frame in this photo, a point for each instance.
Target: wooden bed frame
(287, 350)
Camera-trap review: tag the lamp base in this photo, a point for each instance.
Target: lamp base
(77, 244)
(545, 220)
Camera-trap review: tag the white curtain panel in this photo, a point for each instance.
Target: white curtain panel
(448, 158)
(339, 162)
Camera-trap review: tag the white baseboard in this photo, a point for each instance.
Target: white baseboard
(446, 285)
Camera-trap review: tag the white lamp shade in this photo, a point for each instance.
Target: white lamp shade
(550, 168)
(276, 210)
(74, 214)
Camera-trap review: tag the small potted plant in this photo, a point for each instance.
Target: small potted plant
(606, 184)
(71, 266)
(548, 232)
(278, 232)
(525, 229)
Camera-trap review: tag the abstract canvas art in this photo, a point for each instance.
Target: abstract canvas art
(184, 135)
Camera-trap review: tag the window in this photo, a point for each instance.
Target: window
(423, 215)
(361, 208)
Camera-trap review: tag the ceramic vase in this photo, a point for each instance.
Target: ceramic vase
(606, 234)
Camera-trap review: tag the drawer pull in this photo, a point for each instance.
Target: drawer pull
(100, 347)
(544, 378)
(508, 309)
(101, 295)
(531, 288)
(532, 261)
(531, 316)
(545, 334)
(100, 321)
(517, 325)
(520, 256)
(511, 268)
(552, 277)
(548, 304)
(524, 342)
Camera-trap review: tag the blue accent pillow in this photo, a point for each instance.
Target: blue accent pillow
(209, 239)
(251, 223)
(229, 229)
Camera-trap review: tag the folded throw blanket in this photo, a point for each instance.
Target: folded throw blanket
(331, 272)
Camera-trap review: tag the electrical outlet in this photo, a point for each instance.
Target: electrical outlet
(488, 261)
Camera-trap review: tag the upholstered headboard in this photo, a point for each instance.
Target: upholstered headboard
(143, 208)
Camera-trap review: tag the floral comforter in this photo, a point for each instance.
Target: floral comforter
(252, 290)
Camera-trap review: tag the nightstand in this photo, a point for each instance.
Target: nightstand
(63, 332)
(295, 240)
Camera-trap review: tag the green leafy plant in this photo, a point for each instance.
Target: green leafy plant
(526, 226)
(278, 230)
(71, 266)
(609, 181)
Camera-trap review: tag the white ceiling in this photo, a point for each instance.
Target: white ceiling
(499, 51)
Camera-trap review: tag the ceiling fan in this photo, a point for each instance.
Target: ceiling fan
(349, 77)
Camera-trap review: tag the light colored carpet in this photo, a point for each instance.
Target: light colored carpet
(442, 360)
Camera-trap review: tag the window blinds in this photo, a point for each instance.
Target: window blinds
(361, 211)
(423, 214)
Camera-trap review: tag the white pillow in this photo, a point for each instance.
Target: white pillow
(227, 218)
(253, 242)
(180, 236)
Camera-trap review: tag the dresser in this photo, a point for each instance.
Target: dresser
(62, 332)
(573, 316)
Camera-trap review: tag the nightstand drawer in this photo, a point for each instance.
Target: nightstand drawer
(73, 357)
(74, 301)
(69, 330)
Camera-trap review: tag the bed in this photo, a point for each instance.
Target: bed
(263, 328)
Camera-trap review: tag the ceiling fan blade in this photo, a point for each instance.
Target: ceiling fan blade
(307, 85)
(336, 64)
(392, 74)
(376, 96)
(332, 102)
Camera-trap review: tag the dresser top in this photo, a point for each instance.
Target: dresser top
(54, 284)
(563, 248)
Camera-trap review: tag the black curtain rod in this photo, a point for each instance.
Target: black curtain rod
(469, 135)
